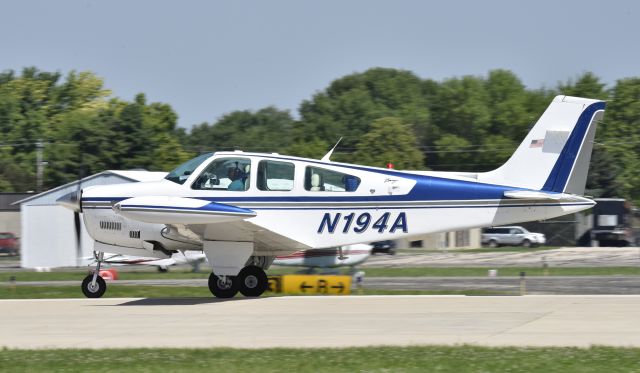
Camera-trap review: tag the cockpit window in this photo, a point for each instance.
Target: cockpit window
(181, 173)
(225, 174)
(322, 180)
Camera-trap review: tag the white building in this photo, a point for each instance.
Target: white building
(48, 236)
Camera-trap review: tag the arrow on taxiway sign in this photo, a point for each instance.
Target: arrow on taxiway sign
(341, 287)
(304, 287)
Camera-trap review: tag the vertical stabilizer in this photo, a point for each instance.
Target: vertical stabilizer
(555, 155)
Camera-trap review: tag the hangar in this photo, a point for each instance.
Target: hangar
(48, 236)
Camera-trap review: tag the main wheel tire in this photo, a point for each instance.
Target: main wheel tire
(223, 289)
(252, 281)
(493, 243)
(526, 243)
(93, 291)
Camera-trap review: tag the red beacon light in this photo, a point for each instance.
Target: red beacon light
(390, 166)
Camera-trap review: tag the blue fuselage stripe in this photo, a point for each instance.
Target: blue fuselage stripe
(326, 208)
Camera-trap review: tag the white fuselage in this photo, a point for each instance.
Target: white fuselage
(386, 204)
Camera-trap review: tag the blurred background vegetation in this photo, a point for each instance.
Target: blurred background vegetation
(469, 123)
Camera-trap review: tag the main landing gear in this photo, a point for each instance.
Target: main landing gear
(250, 282)
(94, 286)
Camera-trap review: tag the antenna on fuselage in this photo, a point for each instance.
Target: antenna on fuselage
(328, 155)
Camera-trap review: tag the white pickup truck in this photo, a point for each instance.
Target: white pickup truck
(511, 236)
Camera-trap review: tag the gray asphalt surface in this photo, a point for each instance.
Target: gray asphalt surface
(327, 321)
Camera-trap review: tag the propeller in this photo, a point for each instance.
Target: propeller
(73, 201)
(76, 213)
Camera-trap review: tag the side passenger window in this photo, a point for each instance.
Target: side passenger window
(275, 176)
(322, 180)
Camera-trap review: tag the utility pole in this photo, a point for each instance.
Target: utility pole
(39, 166)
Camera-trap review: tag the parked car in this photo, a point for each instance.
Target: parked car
(384, 247)
(512, 236)
(9, 243)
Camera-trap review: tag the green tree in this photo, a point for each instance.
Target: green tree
(349, 106)
(587, 85)
(389, 141)
(507, 104)
(460, 108)
(79, 125)
(454, 153)
(620, 134)
(267, 130)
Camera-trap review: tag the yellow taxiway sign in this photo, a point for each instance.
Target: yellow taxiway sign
(310, 284)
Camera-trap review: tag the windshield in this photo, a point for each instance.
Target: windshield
(181, 173)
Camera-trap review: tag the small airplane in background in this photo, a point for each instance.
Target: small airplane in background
(190, 257)
(244, 209)
(348, 256)
(322, 259)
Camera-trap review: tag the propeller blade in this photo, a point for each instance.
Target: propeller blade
(78, 232)
(76, 213)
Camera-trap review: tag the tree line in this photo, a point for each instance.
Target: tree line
(469, 123)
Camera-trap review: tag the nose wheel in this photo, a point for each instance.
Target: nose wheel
(93, 289)
(250, 282)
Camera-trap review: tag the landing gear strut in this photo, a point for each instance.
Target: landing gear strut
(250, 282)
(94, 286)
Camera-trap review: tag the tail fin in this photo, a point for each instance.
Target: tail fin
(555, 155)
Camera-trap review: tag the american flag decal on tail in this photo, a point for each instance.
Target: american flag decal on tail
(536, 143)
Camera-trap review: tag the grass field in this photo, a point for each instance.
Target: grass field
(502, 271)
(441, 359)
(73, 275)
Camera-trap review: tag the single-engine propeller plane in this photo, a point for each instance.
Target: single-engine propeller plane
(244, 209)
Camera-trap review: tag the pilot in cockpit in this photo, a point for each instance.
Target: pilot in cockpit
(236, 177)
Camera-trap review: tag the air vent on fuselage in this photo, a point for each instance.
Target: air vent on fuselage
(111, 225)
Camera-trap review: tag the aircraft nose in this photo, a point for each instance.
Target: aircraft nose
(71, 201)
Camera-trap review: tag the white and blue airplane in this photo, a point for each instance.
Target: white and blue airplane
(244, 209)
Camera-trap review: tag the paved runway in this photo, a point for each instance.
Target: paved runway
(321, 321)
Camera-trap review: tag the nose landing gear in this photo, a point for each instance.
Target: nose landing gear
(94, 286)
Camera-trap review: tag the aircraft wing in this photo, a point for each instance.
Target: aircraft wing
(211, 219)
(245, 230)
(179, 210)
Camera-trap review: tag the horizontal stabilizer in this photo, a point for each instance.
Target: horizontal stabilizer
(530, 194)
(179, 210)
